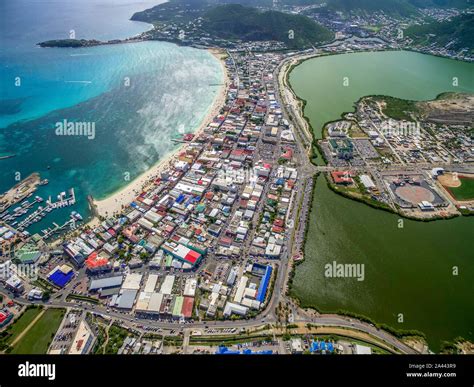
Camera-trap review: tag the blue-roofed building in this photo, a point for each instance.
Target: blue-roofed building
(223, 350)
(61, 276)
(314, 346)
(262, 289)
(250, 352)
(317, 346)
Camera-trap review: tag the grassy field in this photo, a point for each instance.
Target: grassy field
(465, 191)
(399, 109)
(117, 336)
(38, 338)
(21, 323)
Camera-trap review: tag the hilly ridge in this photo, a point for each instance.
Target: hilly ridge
(455, 34)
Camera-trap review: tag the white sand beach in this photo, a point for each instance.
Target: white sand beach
(118, 200)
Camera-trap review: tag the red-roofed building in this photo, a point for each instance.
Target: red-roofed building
(187, 309)
(277, 229)
(287, 155)
(95, 263)
(278, 222)
(192, 257)
(5, 317)
(181, 252)
(225, 241)
(238, 155)
(342, 177)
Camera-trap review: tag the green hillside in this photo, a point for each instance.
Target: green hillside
(235, 21)
(172, 11)
(441, 3)
(239, 22)
(389, 7)
(455, 34)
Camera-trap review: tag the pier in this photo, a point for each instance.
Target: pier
(50, 231)
(41, 212)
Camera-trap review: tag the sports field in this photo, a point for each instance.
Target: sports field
(465, 191)
(37, 339)
(21, 323)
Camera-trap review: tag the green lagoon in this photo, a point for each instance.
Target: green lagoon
(409, 270)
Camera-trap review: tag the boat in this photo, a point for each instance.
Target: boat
(44, 182)
(76, 215)
(7, 157)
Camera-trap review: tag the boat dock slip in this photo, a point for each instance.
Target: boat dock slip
(50, 231)
(41, 212)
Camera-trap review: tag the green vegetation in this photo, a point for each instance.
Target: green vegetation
(364, 198)
(39, 337)
(19, 325)
(452, 347)
(74, 43)
(171, 11)
(455, 34)
(399, 333)
(393, 8)
(465, 191)
(389, 7)
(78, 297)
(441, 3)
(173, 341)
(99, 344)
(117, 336)
(399, 109)
(238, 22)
(170, 341)
(227, 340)
(45, 285)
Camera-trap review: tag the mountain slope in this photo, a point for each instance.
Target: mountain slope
(441, 3)
(239, 22)
(454, 34)
(235, 21)
(389, 7)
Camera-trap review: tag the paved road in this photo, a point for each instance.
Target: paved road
(267, 316)
(329, 320)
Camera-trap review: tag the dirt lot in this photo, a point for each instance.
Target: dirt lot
(455, 109)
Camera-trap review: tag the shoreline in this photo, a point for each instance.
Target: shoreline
(116, 201)
(299, 105)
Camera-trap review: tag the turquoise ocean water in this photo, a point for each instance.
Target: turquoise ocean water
(139, 97)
